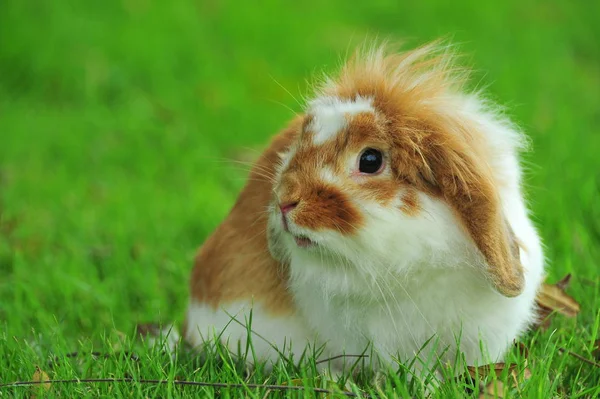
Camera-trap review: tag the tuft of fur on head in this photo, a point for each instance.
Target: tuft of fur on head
(426, 77)
(426, 72)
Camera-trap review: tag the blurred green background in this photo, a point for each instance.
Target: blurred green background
(117, 119)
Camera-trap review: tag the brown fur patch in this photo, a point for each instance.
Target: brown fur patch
(308, 119)
(325, 207)
(410, 203)
(363, 130)
(379, 189)
(234, 263)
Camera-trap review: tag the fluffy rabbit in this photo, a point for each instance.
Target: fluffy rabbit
(388, 214)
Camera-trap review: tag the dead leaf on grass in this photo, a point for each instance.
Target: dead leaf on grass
(40, 375)
(496, 388)
(552, 299)
(491, 386)
(488, 370)
(296, 382)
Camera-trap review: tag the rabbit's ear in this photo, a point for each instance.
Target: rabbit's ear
(468, 187)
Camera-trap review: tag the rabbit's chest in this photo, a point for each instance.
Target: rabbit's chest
(348, 313)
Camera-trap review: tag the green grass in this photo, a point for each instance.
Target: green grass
(114, 117)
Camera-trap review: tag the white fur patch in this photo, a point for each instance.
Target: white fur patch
(270, 335)
(285, 159)
(328, 176)
(330, 115)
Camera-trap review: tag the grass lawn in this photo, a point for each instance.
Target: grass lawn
(115, 119)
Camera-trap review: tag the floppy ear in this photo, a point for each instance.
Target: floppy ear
(469, 188)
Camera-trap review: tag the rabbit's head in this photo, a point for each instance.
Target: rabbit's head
(393, 166)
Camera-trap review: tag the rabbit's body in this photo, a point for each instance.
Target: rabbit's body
(389, 214)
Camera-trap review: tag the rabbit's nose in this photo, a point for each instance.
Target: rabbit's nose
(287, 207)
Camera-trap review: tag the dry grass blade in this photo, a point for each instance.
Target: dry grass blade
(596, 350)
(330, 385)
(489, 370)
(184, 383)
(296, 382)
(577, 356)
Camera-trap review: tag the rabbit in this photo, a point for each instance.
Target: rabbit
(389, 214)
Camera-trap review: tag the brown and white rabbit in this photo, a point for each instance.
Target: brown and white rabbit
(389, 213)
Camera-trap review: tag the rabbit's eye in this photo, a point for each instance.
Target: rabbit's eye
(371, 161)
